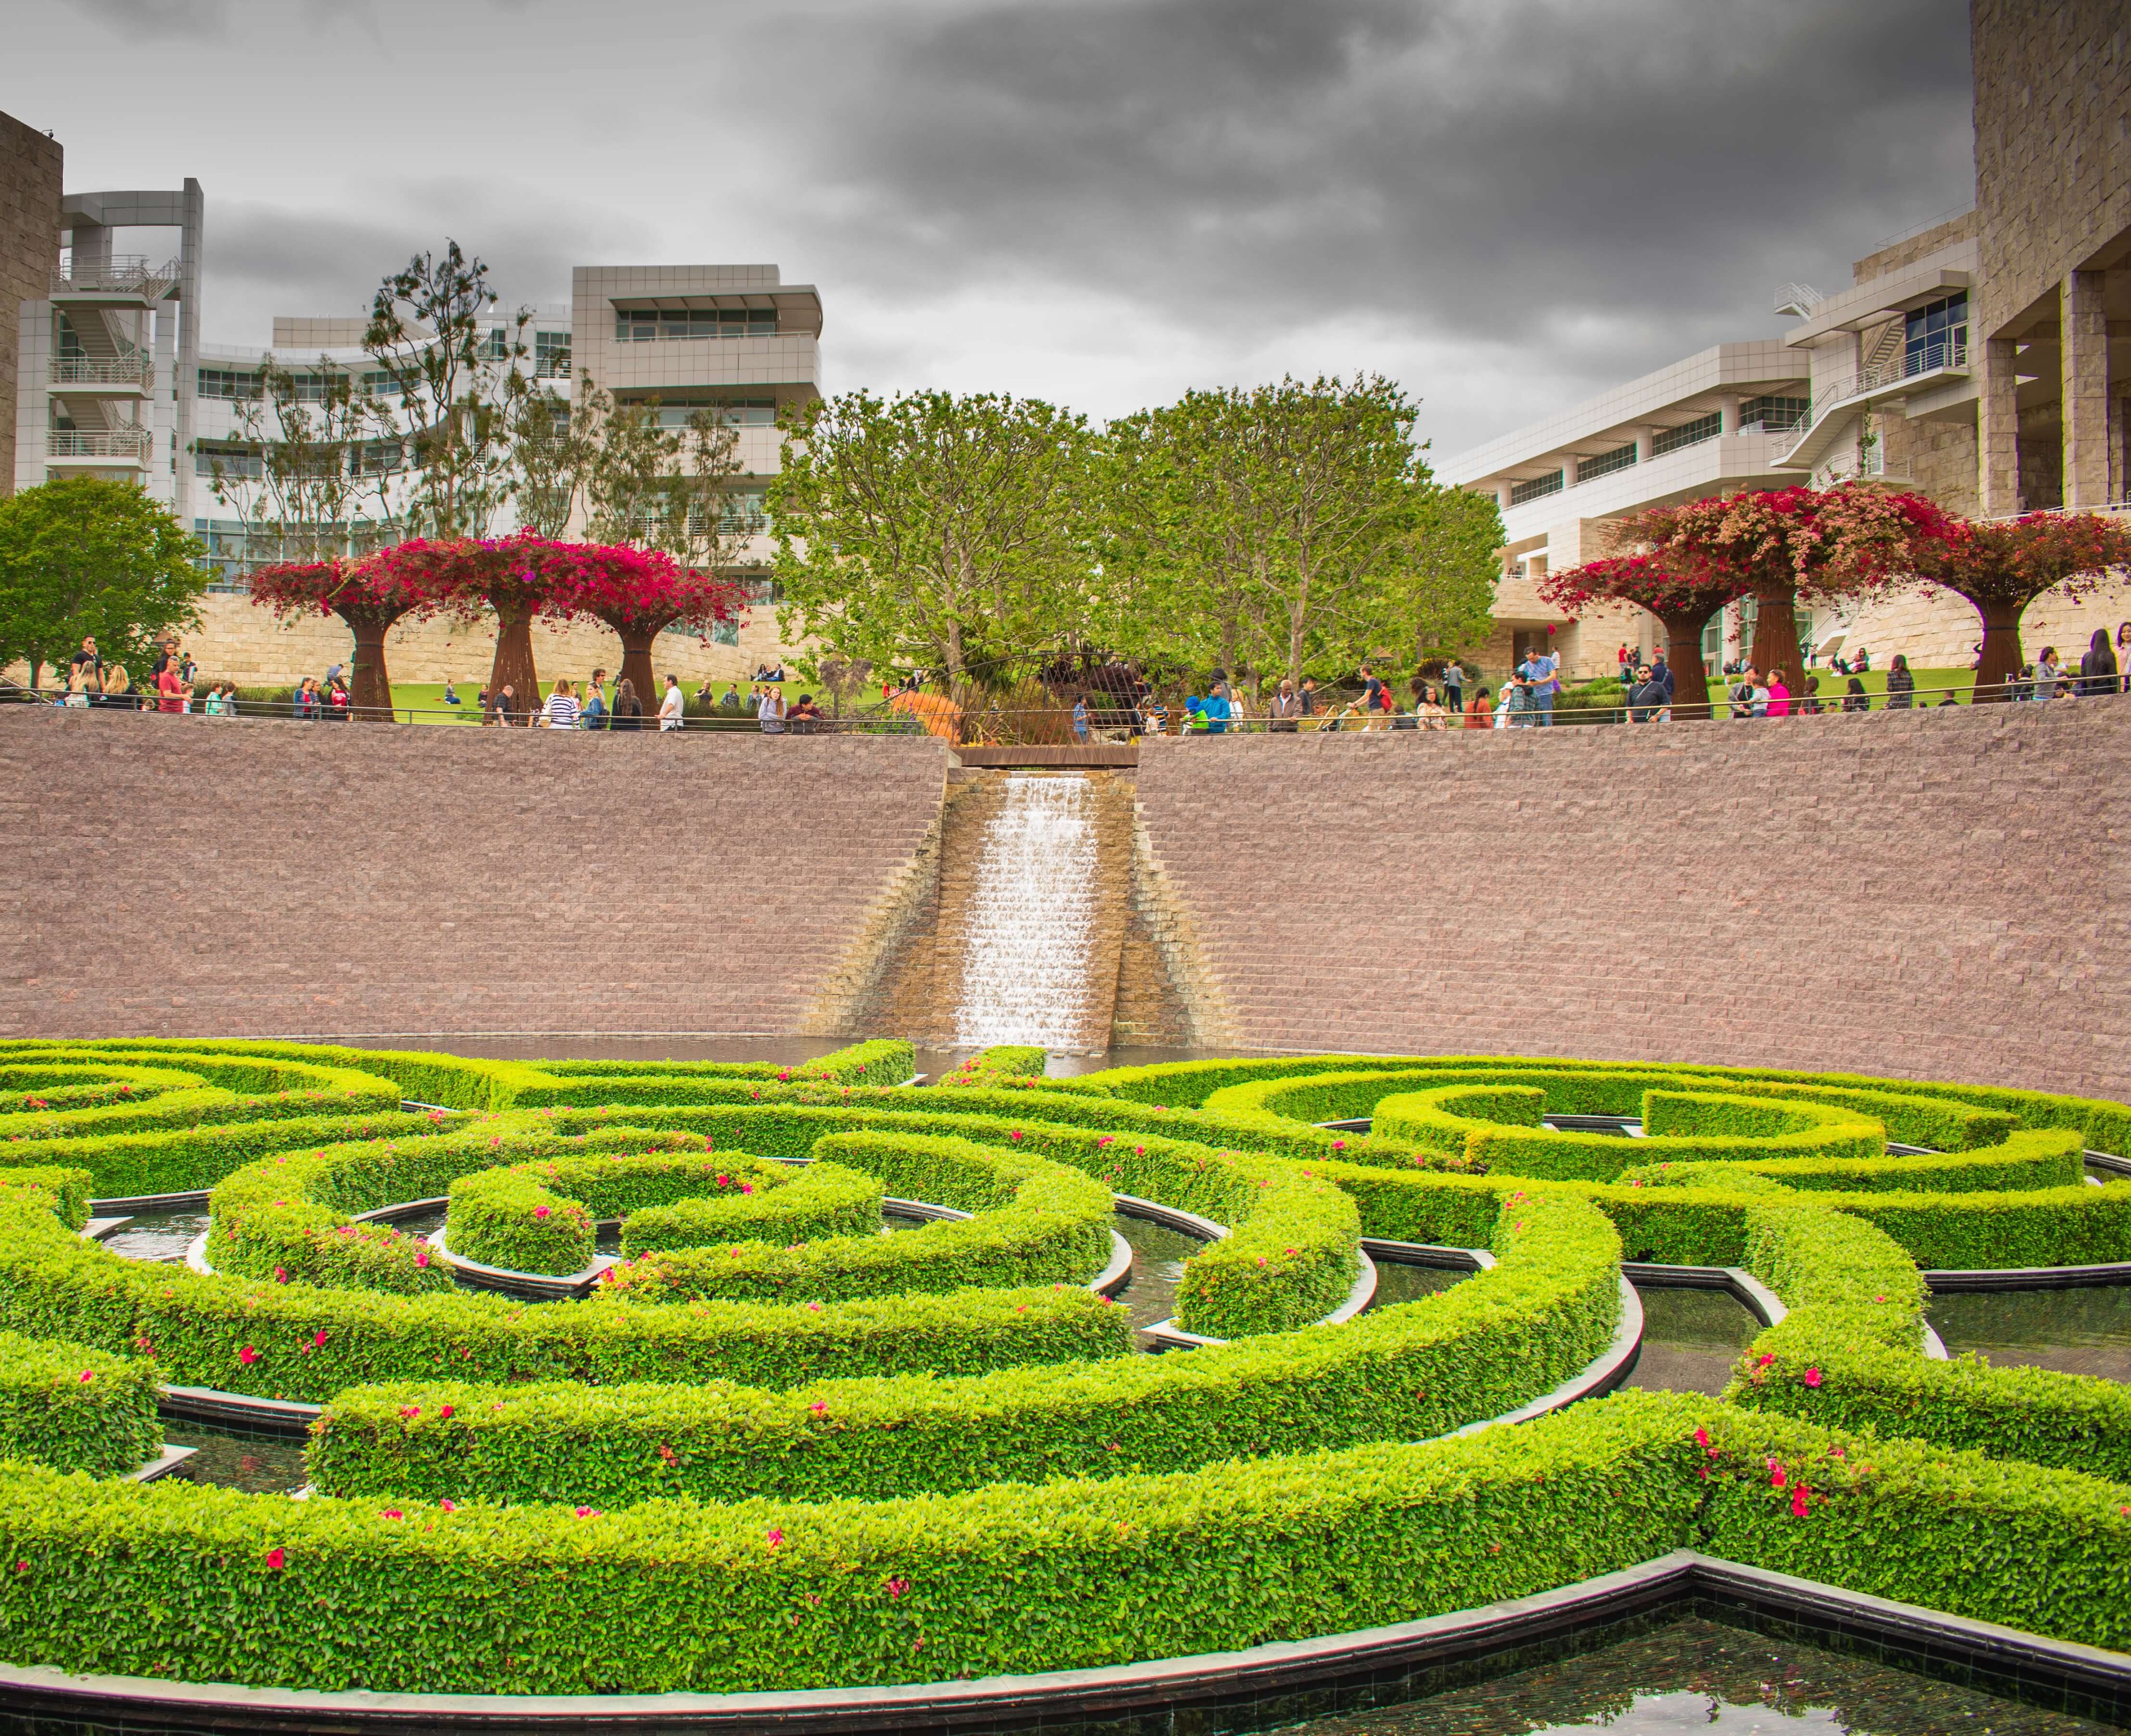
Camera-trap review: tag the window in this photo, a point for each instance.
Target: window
(1589, 469)
(1687, 433)
(1773, 415)
(233, 460)
(377, 457)
(1535, 489)
(740, 510)
(227, 383)
(551, 354)
(1937, 336)
(310, 388)
(496, 347)
(725, 633)
(741, 412)
(70, 347)
(641, 325)
(380, 382)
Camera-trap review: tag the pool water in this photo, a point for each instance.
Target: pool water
(2082, 1331)
(234, 1459)
(1695, 1675)
(1691, 1338)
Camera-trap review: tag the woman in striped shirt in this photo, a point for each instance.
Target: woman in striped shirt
(562, 708)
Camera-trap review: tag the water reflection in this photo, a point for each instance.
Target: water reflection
(2084, 1332)
(155, 1235)
(1695, 1675)
(1691, 1338)
(233, 1459)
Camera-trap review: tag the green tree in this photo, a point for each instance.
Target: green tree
(936, 531)
(1275, 527)
(85, 556)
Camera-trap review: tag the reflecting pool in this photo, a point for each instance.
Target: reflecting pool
(2082, 1331)
(1691, 1338)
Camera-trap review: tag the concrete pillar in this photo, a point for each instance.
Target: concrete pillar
(2119, 484)
(1502, 494)
(1643, 436)
(1727, 414)
(1998, 432)
(1568, 469)
(2086, 390)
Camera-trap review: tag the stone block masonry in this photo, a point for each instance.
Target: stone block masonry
(198, 876)
(1935, 894)
(30, 193)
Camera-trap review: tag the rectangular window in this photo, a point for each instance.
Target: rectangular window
(1535, 489)
(642, 325)
(551, 354)
(308, 388)
(1621, 457)
(380, 382)
(235, 460)
(1687, 433)
(1937, 336)
(1773, 415)
(497, 346)
(732, 412)
(725, 633)
(740, 510)
(229, 383)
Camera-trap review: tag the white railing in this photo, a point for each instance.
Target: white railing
(1940, 354)
(120, 443)
(120, 271)
(130, 370)
(1798, 298)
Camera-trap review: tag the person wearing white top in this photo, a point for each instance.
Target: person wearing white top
(562, 707)
(769, 711)
(670, 707)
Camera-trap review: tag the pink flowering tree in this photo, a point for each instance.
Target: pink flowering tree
(469, 577)
(1681, 596)
(639, 593)
(369, 595)
(1784, 544)
(2001, 568)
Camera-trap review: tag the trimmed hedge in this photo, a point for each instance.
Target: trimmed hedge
(1411, 1371)
(75, 1408)
(823, 1199)
(760, 1595)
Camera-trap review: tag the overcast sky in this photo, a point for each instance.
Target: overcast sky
(1505, 204)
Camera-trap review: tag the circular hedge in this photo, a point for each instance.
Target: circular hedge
(777, 1449)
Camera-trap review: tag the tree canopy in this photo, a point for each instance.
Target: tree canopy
(2000, 568)
(85, 556)
(1683, 595)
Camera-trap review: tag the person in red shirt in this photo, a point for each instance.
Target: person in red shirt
(170, 687)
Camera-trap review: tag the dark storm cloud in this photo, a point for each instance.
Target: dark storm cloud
(191, 20)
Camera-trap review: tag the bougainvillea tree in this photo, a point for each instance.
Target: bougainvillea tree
(2001, 568)
(1782, 545)
(369, 594)
(467, 576)
(1682, 595)
(639, 593)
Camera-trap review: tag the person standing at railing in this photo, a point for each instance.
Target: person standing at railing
(1661, 673)
(593, 713)
(628, 708)
(1081, 719)
(501, 704)
(1453, 688)
(1286, 709)
(769, 711)
(672, 705)
(339, 701)
(1901, 684)
(563, 707)
(1780, 695)
(1217, 710)
(1478, 713)
(1154, 716)
(2097, 669)
(1308, 696)
(2124, 657)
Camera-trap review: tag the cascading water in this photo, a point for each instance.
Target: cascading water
(1028, 943)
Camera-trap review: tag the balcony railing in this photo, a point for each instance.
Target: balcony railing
(1947, 351)
(130, 370)
(118, 444)
(120, 271)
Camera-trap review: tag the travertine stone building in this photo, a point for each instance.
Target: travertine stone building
(29, 192)
(1984, 360)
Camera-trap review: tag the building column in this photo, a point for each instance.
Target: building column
(1502, 494)
(1568, 462)
(2085, 349)
(1727, 414)
(1643, 438)
(1998, 432)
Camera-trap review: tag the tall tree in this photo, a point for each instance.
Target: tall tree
(943, 532)
(432, 333)
(639, 593)
(1681, 596)
(468, 577)
(85, 556)
(370, 594)
(1833, 543)
(551, 452)
(2000, 568)
(311, 445)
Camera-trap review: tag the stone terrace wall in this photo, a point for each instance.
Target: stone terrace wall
(193, 875)
(1931, 894)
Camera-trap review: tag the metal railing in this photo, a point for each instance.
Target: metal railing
(120, 272)
(133, 369)
(1948, 353)
(120, 443)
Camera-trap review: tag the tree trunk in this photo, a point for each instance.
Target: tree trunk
(636, 665)
(1776, 635)
(1690, 675)
(513, 666)
(370, 686)
(2002, 656)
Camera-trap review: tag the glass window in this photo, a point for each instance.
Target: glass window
(1687, 433)
(1537, 488)
(497, 346)
(640, 325)
(227, 383)
(234, 461)
(1589, 469)
(551, 354)
(1773, 415)
(380, 382)
(1937, 336)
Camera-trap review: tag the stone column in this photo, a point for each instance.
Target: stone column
(2085, 350)
(1998, 432)
(1727, 414)
(1643, 438)
(1568, 469)
(1502, 494)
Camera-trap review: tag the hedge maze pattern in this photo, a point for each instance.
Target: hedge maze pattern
(775, 1449)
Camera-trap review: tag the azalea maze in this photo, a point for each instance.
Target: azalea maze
(763, 1445)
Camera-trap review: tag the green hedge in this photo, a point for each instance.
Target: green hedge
(1037, 1222)
(75, 1408)
(823, 1199)
(761, 1595)
(1411, 1371)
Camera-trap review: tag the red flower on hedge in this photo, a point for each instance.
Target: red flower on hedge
(318, 1339)
(1812, 1377)
(275, 1557)
(87, 1374)
(1798, 1501)
(776, 1537)
(588, 1512)
(247, 1355)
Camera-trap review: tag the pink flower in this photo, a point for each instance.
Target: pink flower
(896, 1587)
(1764, 1360)
(87, 1374)
(275, 1557)
(588, 1512)
(247, 1355)
(1776, 1477)
(445, 1411)
(1702, 1438)
(409, 1411)
(318, 1339)
(448, 1506)
(819, 1407)
(1798, 1501)
(1812, 1377)
(776, 1537)
(1015, 1135)
(422, 1257)
(1338, 1145)
(394, 1513)
(281, 1275)
(1107, 1138)
(540, 1211)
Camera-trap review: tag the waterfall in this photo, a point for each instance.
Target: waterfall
(1029, 939)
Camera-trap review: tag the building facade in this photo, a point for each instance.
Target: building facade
(1984, 360)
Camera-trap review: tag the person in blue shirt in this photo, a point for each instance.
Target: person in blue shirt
(450, 693)
(1081, 719)
(1219, 709)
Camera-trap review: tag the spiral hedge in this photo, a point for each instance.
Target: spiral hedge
(776, 1449)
